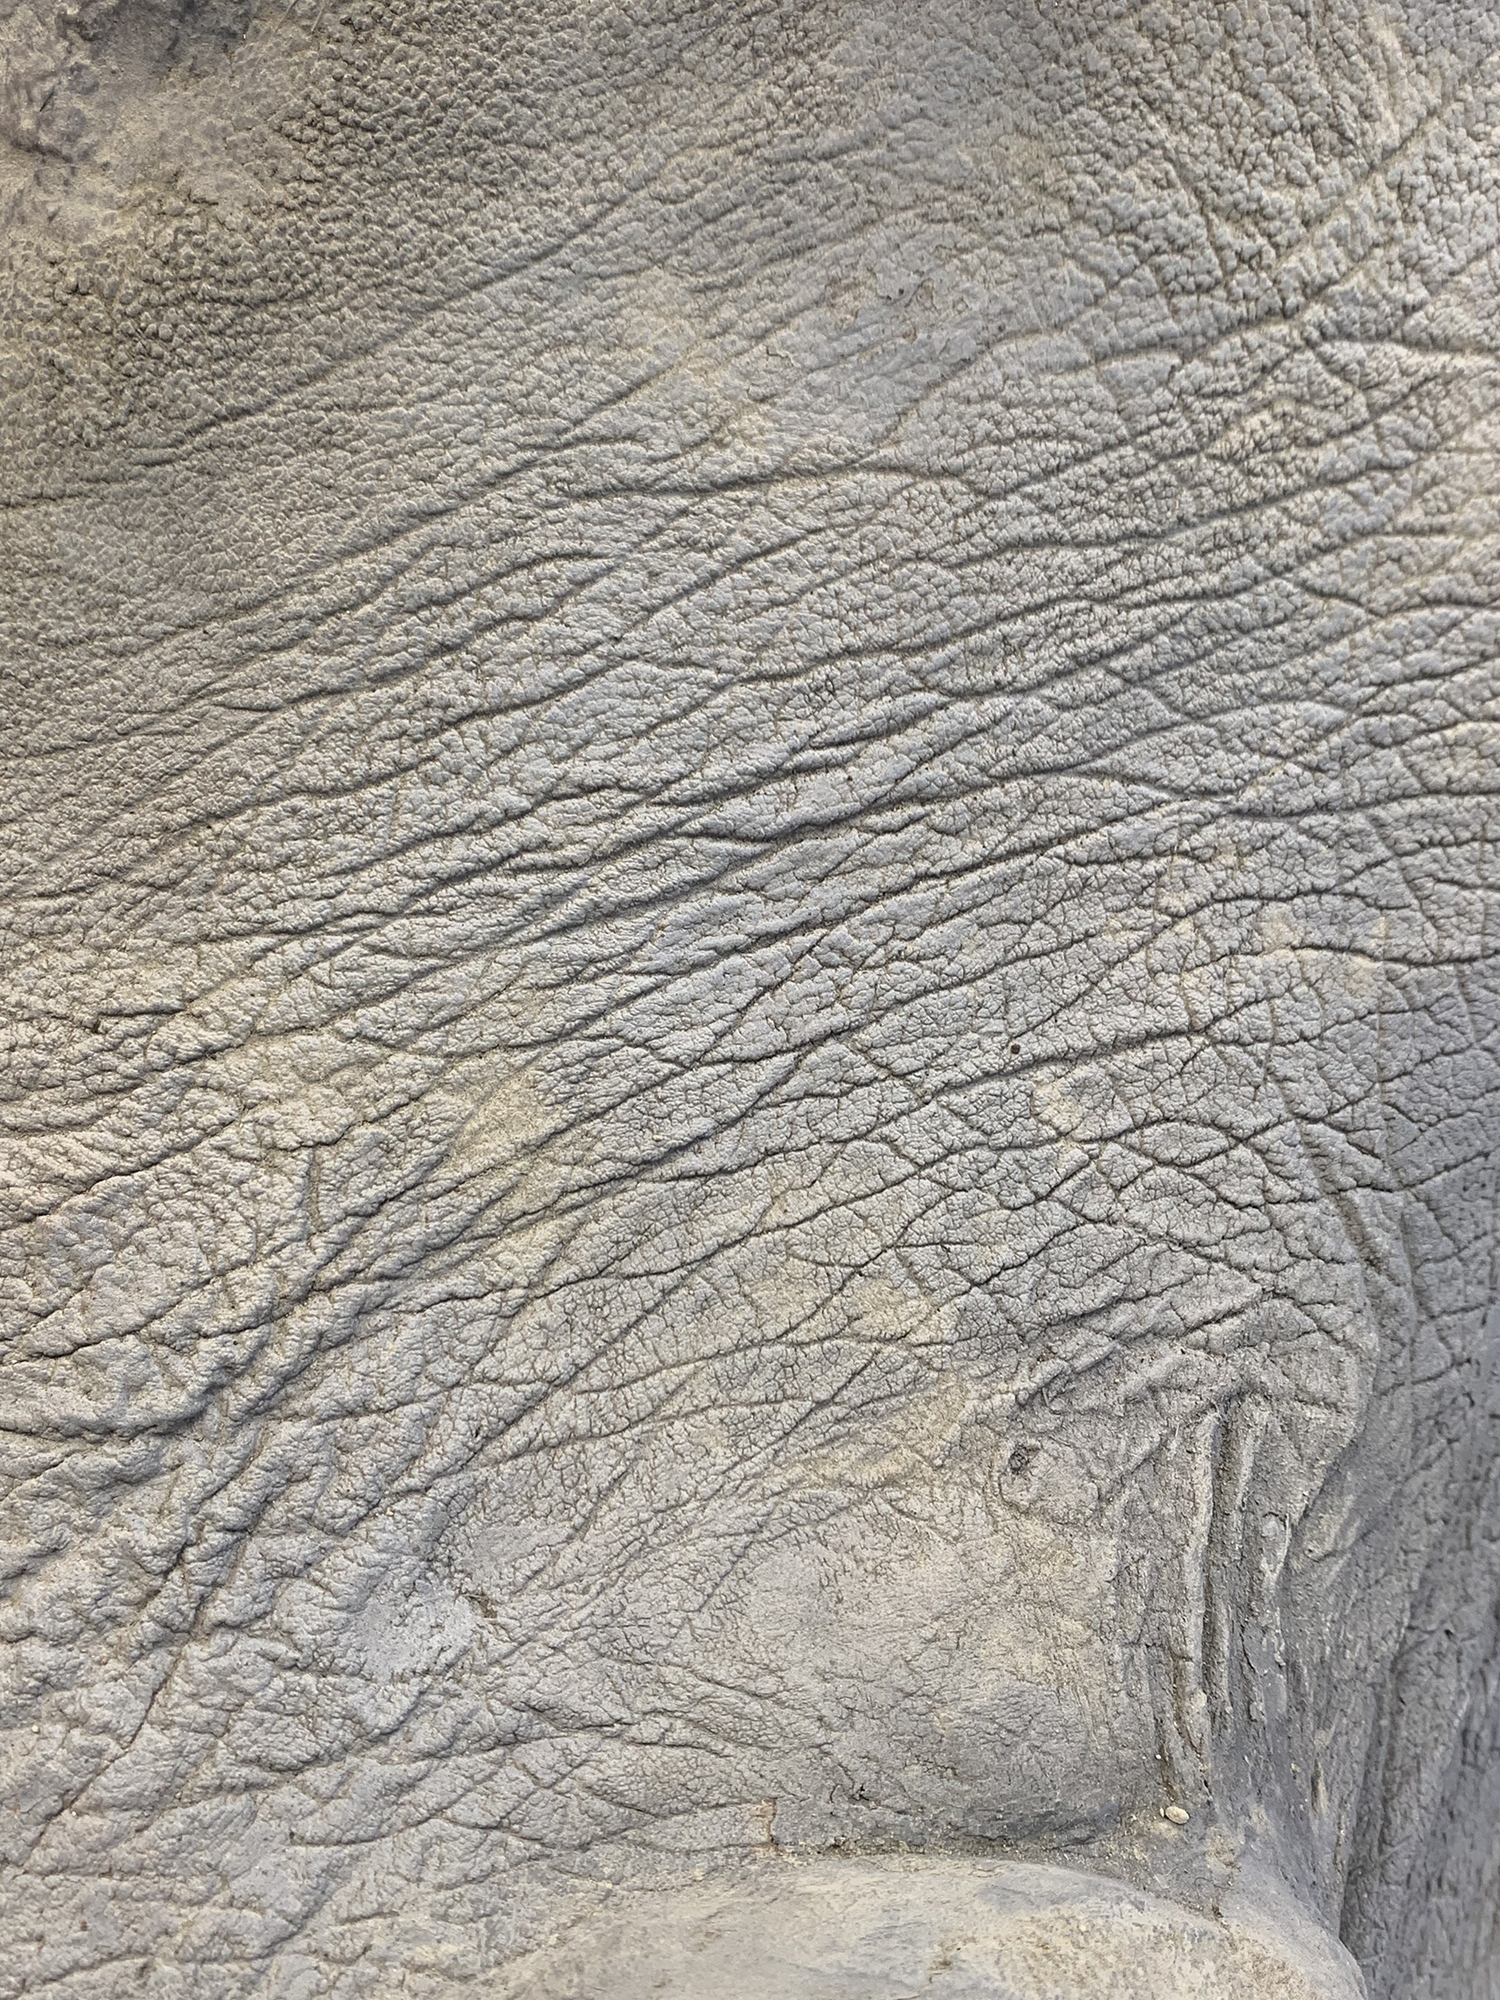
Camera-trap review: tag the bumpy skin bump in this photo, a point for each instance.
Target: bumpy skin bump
(751, 1005)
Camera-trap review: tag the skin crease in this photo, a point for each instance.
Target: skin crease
(750, 1076)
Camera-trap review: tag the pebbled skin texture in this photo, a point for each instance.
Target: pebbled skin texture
(751, 1026)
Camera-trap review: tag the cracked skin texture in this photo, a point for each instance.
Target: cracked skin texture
(751, 1033)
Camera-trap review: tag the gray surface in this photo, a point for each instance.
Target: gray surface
(749, 993)
(953, 1929)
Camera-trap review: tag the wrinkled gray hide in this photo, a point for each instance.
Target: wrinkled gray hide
(750, 971)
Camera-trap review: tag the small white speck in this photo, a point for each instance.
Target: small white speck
(1178, 1815)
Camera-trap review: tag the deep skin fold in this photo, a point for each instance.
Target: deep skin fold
(752, 1061)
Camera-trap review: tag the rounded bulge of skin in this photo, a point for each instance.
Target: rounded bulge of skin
(884, 1928)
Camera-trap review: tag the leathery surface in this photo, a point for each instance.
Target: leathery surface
(750, 1010)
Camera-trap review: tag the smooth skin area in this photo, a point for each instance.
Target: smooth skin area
(751, 1076)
